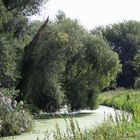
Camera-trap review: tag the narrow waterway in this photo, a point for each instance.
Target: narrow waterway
(87, 119)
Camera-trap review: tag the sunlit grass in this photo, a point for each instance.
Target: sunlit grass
(128, 100)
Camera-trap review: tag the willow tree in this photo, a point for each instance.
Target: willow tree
(90, 70)
(66, 65)
(44, 63)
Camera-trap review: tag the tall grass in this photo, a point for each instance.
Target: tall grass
(118, 127)
(128, 100)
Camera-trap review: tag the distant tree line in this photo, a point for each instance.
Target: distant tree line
(124, 38)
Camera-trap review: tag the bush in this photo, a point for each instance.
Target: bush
(13, 120)
(137, 83)
(16, 122)
(9, 92)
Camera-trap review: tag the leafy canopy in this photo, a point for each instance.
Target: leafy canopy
(67, 66)
(124, 39)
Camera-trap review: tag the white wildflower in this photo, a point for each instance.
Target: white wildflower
(9, 101)
(14, 103)
(21, 103)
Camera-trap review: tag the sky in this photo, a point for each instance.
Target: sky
(92, 13)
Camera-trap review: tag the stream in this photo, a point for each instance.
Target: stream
(86, 120)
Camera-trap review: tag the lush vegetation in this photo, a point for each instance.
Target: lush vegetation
(121, 126)
(110, 129)
(68, 66)
(15, 34)
(128, 100)
(27, 7)
(52, 64)
(14, 119)
(124, 39)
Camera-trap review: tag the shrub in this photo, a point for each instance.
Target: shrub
(9, 92)
(137, 83)
(16, 122)
(13, 120)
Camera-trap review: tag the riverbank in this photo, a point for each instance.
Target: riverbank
(119, 127)
(116, 126)
(46, 127)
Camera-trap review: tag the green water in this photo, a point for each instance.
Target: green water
(85, 121)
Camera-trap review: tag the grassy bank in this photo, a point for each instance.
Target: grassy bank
(128, 100)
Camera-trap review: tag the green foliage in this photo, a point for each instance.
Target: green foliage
(122, 99)
(136, 63)
(125, 39)
(128, 100)
(67, 66)
(137, 83)
(117, 127)
(13, 120)
(93, 69)
(14, 35)
(9, 92)
(47, 63)
(60, 15)
(25, 6)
